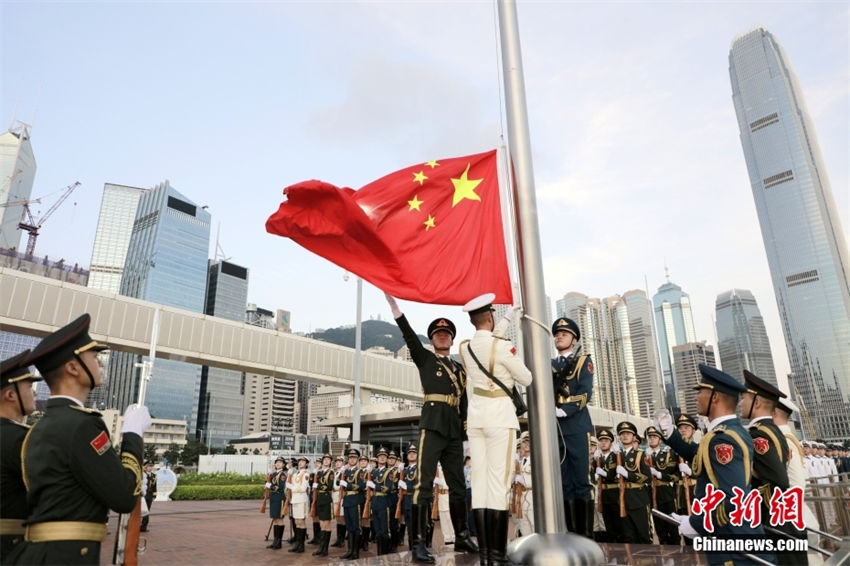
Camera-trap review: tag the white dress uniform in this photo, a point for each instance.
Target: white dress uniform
(797, 478)
(300, 482)
(526, 524)
(446, 526)
(491, 420)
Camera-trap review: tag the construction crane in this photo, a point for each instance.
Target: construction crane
(32, 225)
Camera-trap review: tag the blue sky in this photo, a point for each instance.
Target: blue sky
(636, 152)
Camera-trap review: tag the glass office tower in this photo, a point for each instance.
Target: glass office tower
(674, 323)
(221, 390)
(17, 175)
(803, 239)
(166, 264)
(741, 336)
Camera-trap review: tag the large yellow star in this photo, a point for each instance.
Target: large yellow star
(414, 204)
(465, 188)
(432, 164)
(430, 223)
(419, 177)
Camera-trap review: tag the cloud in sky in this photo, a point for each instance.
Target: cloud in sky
(636, 152)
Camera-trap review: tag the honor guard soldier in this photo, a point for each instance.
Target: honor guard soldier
(353, 483)
(381, 483)
(323, 482)
(572, 379)
(407, 483)
(277, 495)
(339, 463)
(442, 430)
(771, 455)
(365, 522)
(607, 486)
(686, 426)
(721, 460)
(664, 467)
(635, 473)
(17, 400)
(148, 492)
(797, 476)
(73, 475)
(523, 485)
(395, 475)
(317, 530)
(298, 484)
(492, 426)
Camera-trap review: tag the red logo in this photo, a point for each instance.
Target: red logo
(590, 367)
(761, 445)
(723, 453)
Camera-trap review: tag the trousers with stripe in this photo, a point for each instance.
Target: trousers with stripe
(492, 451)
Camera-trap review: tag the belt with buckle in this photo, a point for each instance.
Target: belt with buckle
(488, 393)
(450, 400)
(65, 530)
(12, 526)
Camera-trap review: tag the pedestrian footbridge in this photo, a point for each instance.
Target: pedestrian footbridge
(36, 306)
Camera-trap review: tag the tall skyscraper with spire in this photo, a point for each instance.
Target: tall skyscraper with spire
(17, 175)
(741, 336)
(803, 239)
(674, 323)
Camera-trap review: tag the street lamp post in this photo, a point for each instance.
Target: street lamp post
(358, 332)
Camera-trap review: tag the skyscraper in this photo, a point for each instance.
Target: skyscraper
(220, 396)
(166, 264)
(17, 174)
(112, 238)
(742, 341)
(805, 246)
(686, 360)
(674, 323)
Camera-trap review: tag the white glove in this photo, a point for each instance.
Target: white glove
(268, 485)
(315, 485)
(400, 466)
(615, 448)
(685, 528)
(623, 471)
(601, 473)
(441, 482)
(664, 423)
(597, 454)
(559, 412)
(402, 484)
(290, 486)
(655, 473)
(509, 314)
(371, 484)
(649, 451)
(137, 419)
(393, 306)
(343, 483)
(685, 469)
(466, 447)
(520, 480)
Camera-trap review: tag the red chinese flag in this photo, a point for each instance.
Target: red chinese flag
(430, 233)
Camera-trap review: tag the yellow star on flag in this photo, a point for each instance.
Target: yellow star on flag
(465, 188)
(419, 177)
(430, 223)
(414, 204)
(432, 164)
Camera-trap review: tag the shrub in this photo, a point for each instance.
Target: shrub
(220, 478)
(206, 492)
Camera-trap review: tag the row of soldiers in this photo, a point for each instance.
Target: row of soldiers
(361, 497)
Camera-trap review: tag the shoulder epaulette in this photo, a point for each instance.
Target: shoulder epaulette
(85, 410)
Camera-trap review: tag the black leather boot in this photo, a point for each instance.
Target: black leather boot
(497, 537)
(419, 520)
(364, 538)
(340, 536)
(317, 534)
(482, 528)
(349, 539)
(580, 516)
(463, 543)
(300, 537)
(400, 537)
(278, 536)
(292, 532)
(570, 514)
(355, 547)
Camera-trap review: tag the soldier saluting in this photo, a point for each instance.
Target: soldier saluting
(442, 430)
(73, 475)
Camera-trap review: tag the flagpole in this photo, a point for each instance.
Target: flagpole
(549, 518)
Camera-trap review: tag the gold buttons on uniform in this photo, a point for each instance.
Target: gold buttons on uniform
(84, 550)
